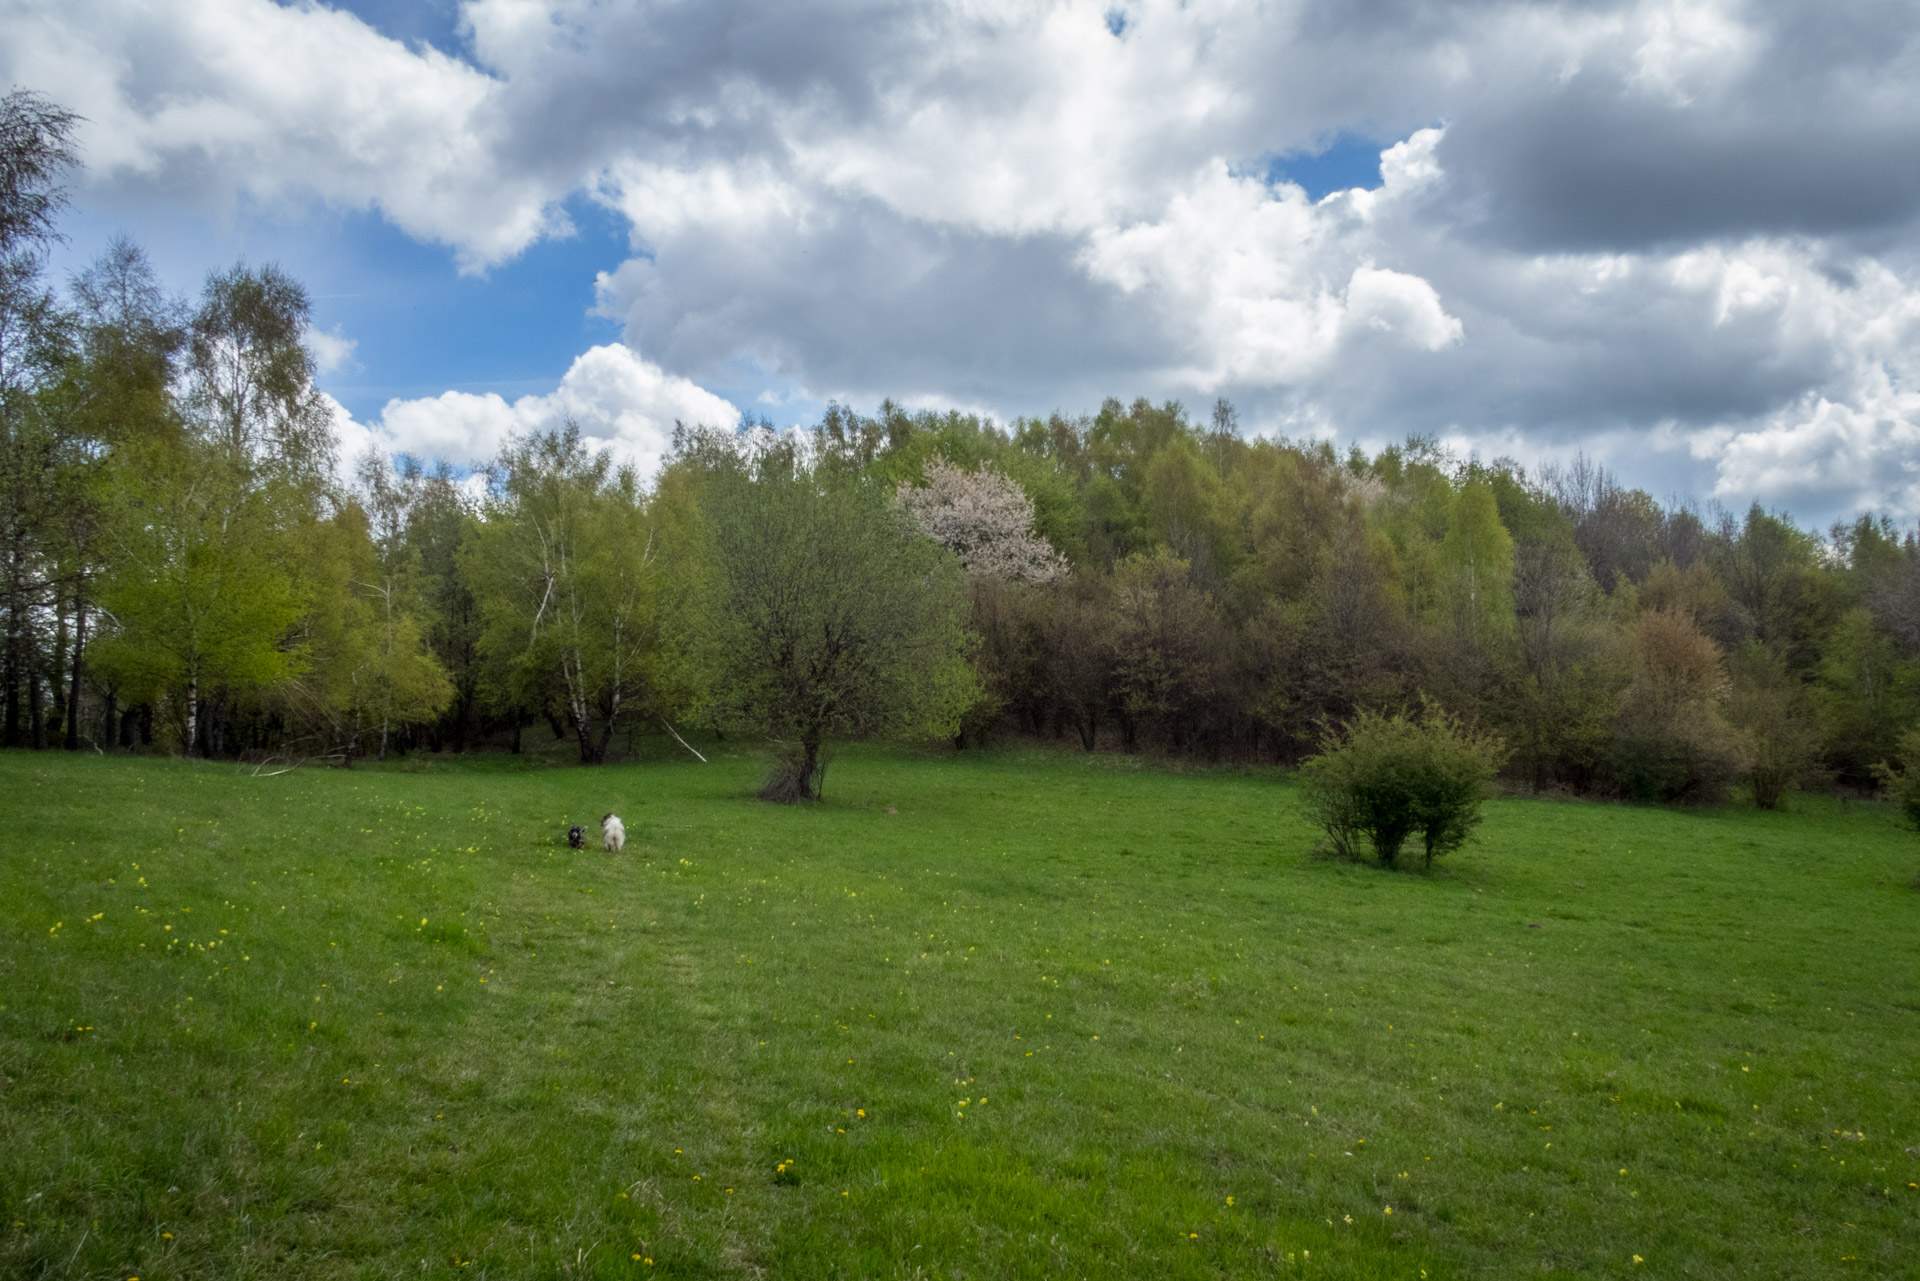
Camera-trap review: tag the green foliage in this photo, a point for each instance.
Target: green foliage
(250, 385)
(1671, 739)
(368, 668)
(1165, 649)
(1772, 711)
(1867, 692)
(566, 572)
(201, 590)
(827, 616)
(1901, 779)
(1475, 563)
(1387, 778)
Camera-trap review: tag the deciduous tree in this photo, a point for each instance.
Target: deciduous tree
(830, 617)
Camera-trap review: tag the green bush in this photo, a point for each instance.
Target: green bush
(1389, 778)
(1902, 784)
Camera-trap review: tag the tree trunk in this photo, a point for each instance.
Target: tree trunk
(193, 714)
(73, 685)
(816, 773)
(10, 674)
(1089, 726)
(583, 730)
(36, 707)
(55, 717)
(613, 718)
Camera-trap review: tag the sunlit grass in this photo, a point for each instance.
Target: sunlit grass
(1054, 1016)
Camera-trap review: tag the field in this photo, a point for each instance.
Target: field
(1019, 1014)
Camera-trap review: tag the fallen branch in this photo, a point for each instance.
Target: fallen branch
(683, 742)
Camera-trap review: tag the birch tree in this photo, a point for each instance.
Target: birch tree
(199, 592)
(566, 570)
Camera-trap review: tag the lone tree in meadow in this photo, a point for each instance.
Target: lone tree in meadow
(830, 616)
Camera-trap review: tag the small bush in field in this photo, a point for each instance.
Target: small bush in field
(1388, 779)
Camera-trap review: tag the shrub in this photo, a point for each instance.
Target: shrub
(1389, 778)
(1902, 784)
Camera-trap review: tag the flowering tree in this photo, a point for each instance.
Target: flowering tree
(985, 518)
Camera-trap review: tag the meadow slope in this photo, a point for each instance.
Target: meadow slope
(1018, 1014)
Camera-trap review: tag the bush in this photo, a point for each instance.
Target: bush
(1388, 778)
(1902, 785)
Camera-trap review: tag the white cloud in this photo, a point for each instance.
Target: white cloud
(619, 401)
(217, 99)
(1404, 306)
(1643, 222)
(331, 349)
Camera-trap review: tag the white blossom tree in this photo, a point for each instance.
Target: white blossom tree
(985, 518)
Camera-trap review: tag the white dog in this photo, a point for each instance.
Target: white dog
(614, 832)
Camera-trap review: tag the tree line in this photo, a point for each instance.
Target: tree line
(189, 566)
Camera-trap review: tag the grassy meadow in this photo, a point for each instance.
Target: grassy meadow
(1015, 1014)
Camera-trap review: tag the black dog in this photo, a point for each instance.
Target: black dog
(576, 836)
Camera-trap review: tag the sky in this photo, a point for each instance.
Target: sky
(1681, 237)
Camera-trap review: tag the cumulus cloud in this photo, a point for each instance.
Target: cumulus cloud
(1677, 232)
(219, 99)
(619, 401)
(331, 349)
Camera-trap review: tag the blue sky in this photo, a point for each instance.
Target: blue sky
(1679, 236)
(434, 22)
(1345, 162)
(420, 326)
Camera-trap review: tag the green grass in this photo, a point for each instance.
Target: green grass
(375, 1024)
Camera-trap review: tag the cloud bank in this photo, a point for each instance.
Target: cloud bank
(1678, 233)
(619, 402)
